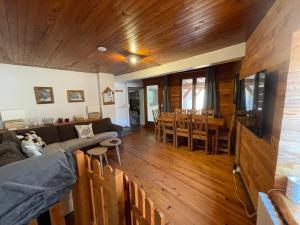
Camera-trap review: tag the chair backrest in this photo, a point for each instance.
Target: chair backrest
(207, 112)
(199, 123)
(193, 111)
(167, 115)
(155, 113)
(180, 111)
(232, 122)
(182, 121)
(168, 119)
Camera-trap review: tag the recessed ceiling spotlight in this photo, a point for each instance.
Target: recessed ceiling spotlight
(102, 49)
(133, 59)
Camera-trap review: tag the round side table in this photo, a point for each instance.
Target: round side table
(113, 142)
(100, 152)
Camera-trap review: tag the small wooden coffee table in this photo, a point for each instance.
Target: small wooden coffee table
(113, 142)
(100, 152)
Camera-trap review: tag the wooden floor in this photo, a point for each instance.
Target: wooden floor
(189, 187)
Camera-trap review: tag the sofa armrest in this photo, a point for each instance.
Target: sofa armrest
(117, 128)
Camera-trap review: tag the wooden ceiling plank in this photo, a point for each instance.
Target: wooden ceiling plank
(10, 12)
(96, 40)
(84, 42)
(64, 34)
(6, 52)
(186, 30)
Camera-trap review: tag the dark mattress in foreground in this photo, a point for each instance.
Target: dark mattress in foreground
(30, 187)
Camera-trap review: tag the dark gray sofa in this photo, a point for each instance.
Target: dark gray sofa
(57, 137)
(64, 137)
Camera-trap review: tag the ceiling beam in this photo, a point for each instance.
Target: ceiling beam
(228, 54)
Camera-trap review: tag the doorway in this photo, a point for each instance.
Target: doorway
(135, 105)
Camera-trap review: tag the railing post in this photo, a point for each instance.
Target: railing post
(57, 214)
(33, 222)
(115, 193)
(81, 192)
(127, 200)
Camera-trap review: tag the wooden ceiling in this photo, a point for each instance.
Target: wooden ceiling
(65, 34)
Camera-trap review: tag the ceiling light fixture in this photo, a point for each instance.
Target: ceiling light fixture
(133, 59)
(102, 49)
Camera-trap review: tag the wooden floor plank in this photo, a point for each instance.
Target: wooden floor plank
(189, 187)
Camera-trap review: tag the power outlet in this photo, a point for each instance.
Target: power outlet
(236, 169)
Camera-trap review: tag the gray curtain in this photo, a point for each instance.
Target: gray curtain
(210, 93)
(241, 101)
(166, 95)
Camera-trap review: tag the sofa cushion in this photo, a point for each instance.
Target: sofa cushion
(79, 143)
(101, 126)
(9, 153)
(10, 136)
(49, 134)
(74, 144)
(103, 136)
(67, 132)
(55, 147)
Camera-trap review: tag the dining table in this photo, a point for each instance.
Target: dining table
(214, 125)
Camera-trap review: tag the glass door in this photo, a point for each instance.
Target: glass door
(152, 101)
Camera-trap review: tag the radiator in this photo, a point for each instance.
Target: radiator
(267, 214)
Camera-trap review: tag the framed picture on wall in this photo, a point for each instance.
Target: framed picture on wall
(108, 97)
(44, 95)
(75, 96)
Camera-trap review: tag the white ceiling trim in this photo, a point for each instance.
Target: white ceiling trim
(228, 54)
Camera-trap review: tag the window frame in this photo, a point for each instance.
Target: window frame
(194, 77)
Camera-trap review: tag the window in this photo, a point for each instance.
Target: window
(200, 85)
(187, 94)
(192, 93)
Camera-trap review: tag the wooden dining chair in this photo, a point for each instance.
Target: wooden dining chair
(207, 112)
(225, 137)
(168, 125)
(182, 111)
(182, 126)
(199, 130)
(155, 113)
(193, 111)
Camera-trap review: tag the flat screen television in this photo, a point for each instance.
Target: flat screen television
(250, 102)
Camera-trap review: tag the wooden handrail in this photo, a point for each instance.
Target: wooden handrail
(110, 199)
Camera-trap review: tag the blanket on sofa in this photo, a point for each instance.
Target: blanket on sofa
(31, 186)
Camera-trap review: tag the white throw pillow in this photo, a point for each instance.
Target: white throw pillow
(85, 131)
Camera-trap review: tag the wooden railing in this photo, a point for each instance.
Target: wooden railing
(56, 215)
(110, 199)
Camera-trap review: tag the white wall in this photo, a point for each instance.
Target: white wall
(16, 90)
(133, 83)
(107, 80)
(119, 112)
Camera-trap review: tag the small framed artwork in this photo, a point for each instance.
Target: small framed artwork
(108, 97)
(44, 95)
(75, 95)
